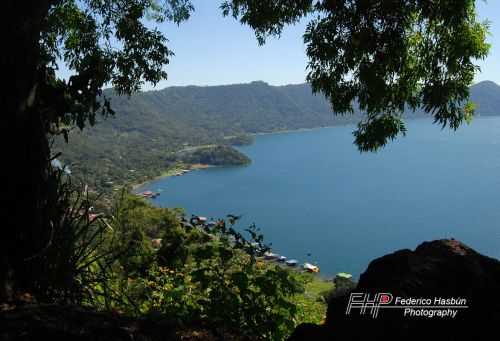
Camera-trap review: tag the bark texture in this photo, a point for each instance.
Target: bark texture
(25, 227)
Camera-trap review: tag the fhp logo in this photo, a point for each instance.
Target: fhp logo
(370, 302)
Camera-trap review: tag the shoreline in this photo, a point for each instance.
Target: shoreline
(295, 130)
(171, 172)
(411, 118)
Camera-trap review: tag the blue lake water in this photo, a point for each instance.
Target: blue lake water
(313, 192)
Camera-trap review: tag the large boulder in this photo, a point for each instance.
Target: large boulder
(438, 269)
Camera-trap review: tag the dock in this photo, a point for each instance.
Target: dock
(278, 260)
(148, 194)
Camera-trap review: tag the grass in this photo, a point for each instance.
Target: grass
(172, 171)
(319, 285)
(179, 168)
(314, 286)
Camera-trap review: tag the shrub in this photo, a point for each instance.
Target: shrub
(77, 264)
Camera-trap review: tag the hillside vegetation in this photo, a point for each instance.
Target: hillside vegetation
(150, 127)
(218, 156)
(151, 262)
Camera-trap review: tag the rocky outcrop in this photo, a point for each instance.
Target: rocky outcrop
(438, 269)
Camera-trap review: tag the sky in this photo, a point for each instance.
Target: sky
(213, 50)
(490, 66)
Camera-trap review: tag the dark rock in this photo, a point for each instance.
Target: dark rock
(308, 331)
(441, 268)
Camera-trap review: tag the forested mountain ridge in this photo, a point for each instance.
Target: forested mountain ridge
(253, 108)
(487, 95)
(150, 127)
(258, 107)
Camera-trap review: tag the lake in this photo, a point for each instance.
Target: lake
(312, 192)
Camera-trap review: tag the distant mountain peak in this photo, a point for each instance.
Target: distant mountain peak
(259, 82)
(487, 95)
(485, 84)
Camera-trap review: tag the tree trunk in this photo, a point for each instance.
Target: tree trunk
(25, 151)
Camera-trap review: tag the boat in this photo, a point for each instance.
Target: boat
(281, 258)
(341, 276)
(310, 268)
(292, 262)
(270, 256)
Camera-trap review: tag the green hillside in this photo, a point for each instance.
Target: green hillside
(151, 127)
(487, 95)
(252, 108)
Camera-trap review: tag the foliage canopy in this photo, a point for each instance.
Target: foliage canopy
(204, 271)
(103, 42)
(383, 55)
